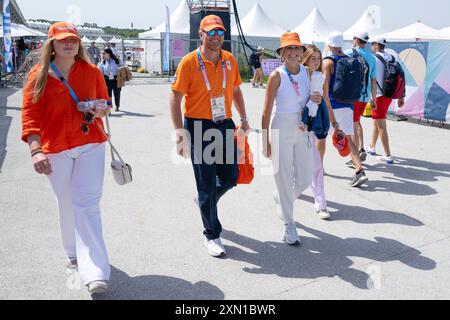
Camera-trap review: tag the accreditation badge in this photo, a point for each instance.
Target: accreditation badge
(218, 108)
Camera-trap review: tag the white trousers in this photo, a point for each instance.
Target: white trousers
(292, 162)
(77, 181)
(317, 185)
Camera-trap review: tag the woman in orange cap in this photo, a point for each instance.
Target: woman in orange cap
(289, 146)
(69, 146)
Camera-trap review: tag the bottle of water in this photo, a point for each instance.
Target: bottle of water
(91, 105)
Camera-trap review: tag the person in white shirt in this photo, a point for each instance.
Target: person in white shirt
(383, 103)
(109, 65)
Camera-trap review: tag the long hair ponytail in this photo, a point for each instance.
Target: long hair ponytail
(47, 57)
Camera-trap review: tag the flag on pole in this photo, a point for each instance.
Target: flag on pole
(7, 41)
(166, 53)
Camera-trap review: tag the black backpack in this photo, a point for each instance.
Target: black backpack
(251, 59)
(349, 78)
(394, 79)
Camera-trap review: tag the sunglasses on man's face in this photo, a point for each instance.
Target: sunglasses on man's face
(212, 33)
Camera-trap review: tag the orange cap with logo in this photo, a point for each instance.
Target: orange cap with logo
(289, 39)
(211, 22)
(62, 30)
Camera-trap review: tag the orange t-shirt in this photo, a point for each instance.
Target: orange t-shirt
(55, 117)
(190, 82)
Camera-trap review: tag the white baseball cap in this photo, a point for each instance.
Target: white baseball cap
(335, 39)
(380, 40)
(364, 36)
(260, 48)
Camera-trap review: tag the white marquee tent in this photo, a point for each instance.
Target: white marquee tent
(19, 30)
(258, 24)
(100, 40)
(445, 33)
(179, 24)
(370, 22)
(414, 32)
(314, 28)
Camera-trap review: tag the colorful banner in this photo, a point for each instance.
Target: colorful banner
(166, 53)
(427, 70)
(269, 65)
(8, 52)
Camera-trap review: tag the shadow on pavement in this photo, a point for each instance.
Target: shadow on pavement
(122, 113)
(155, 287)
(366, 215)
(5, 120)
(394, 186)
(323, 255)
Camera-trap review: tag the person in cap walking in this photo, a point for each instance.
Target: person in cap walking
(382, 102)
(208, 78)
(343, 111)
(288, 144)
(369, 90)
(69, 148)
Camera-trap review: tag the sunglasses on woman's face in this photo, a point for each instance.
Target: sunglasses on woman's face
(214, 32)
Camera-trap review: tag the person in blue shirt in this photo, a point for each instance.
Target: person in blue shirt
(109, 65)
(370, 90)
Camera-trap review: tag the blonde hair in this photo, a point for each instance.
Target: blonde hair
(310, 50)
(47, 56)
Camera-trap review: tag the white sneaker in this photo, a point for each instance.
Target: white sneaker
(323, 214)
(215, 247)
(370, 150)
(290, 236)
(98, 286)
(387, 159)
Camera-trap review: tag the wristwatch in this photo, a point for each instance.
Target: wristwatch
(335, 125)
(244, 119)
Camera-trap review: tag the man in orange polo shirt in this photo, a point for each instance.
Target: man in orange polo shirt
(208, 78)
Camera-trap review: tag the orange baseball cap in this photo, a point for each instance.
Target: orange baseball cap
(289, 39)
(62, 30)
(211, 22)
(340, 142)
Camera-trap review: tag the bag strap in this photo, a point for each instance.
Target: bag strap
(75, 98)
(63, 80)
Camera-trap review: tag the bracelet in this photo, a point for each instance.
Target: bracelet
(36, 152)
(335, 124)
(36, 149)
(244, 119)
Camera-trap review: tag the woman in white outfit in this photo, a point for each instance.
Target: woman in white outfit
(312, 59)
(68, 146)
(289, 145)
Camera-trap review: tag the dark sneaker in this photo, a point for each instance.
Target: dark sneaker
(363, 155)
(350, 164)
(358, 179)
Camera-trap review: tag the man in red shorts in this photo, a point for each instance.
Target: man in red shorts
(383, 103)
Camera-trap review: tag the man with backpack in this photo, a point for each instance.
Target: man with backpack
(369, 90)
(255, 61)
(344, 79)
(390, 85)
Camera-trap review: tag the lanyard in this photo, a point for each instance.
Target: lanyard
(205, 76)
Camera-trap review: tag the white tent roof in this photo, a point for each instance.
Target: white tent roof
(314, 29)
(413, 32)
(179, 22)
(100, 40)
(370, 22)
(258, 24)
(445, 33)
(85, 39)
(19, 30)
(115, 40)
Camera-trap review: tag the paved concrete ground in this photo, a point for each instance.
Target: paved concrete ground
(387, 240)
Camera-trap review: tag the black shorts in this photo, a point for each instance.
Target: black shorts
(257, 65)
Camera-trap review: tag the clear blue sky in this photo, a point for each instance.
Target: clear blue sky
(340, 14)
